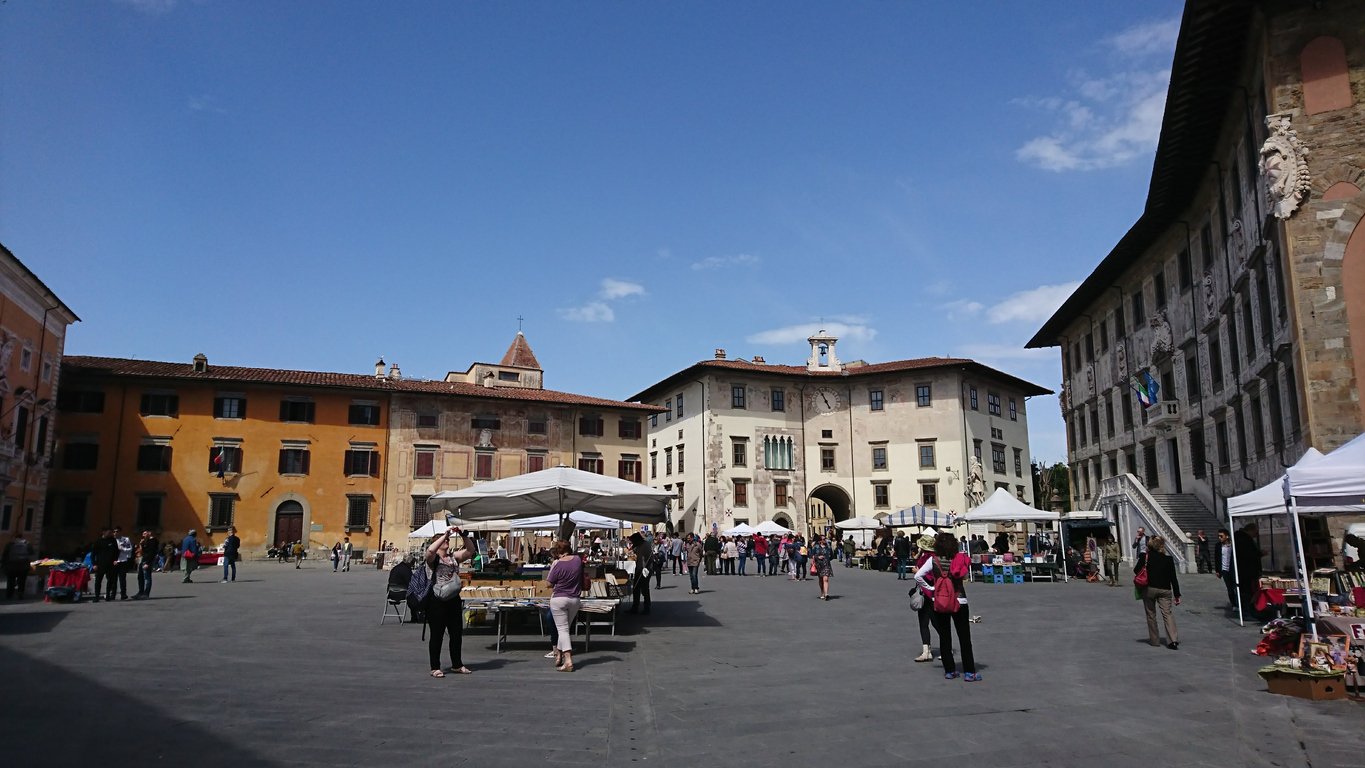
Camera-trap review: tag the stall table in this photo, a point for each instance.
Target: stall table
(501, 607)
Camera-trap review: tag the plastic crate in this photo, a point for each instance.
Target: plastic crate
(1018, 578)
(999, 579)
(1008, 570)
(987, 570)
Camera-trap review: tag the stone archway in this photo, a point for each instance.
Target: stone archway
(827, 505)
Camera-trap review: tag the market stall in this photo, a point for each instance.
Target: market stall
(1001, 507)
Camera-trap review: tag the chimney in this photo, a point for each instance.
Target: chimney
(720, 353)
(201, 363)
(379, 369)
(758, 360)
(489, 380)
(395, 373)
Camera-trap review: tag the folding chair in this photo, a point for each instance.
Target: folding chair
(395, 606)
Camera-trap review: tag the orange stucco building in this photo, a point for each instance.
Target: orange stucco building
(33, 324)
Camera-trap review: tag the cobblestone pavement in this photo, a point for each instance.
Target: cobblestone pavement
(291, 667)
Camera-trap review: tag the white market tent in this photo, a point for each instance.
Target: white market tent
(1269, 498)
(768, 528)
(1334, 484)
(859, 524)
(1002, 506)
(432, 528)
(559, 491)
(742, 529)
(579, 518)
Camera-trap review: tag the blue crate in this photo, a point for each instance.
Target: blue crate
(1018, 578)
(987, 570)
(999, 579)
(1008, 570)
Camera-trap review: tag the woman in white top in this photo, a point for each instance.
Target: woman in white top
(729, 552)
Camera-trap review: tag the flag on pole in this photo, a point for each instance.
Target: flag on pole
(220, 460)
(1148, 390)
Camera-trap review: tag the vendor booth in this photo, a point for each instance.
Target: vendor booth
(1003, 507)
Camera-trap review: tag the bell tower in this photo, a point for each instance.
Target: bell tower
(822, 355)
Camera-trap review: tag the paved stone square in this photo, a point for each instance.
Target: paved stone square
(291, 667)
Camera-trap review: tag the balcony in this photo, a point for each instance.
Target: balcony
(1164, 415)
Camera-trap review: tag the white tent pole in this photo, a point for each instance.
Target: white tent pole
(1303, 569)
(1236, 579)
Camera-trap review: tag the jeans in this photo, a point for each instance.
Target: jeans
(229, 567)
(677, 561)
(693, 573)
(345, 562)
(1230, 579)
(901, 563)
(659, 577)
(742, 560)
(762, 567)
(120, 579)
(772, 565)
(16, 581)
(945, 623)
(144, 580)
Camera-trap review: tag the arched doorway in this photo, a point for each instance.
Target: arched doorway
(783, 520)
(827, 505)
(288, 522)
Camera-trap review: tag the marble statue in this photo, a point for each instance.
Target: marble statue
(1162, 343)
(976, 483)
(485, 439)
(1239, 241)
(1121, 360)
(1284, 166)
(1064, 398)
(1090, 379)
(1210, 303)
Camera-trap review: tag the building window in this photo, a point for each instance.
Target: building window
(294, 460)
(875, 399)
(668, 461)
(362, 462)
(421, 514)
(1216, 364)
(153, 457)
(591, 426)
(780, 494)
(679, 405)
(159, 404)
(222, 509)
(424, 463)
(1018, 462)
(628, 468)
(737, 396)
(483, 465)
(365, 414)
(653, 420)
(826, 434)
(878, 457)
(923, 395)
(1184, 270)
(229, 407)
(976, 449)
(1095, 425)
(628, 429)
(881, 495)
(1220, 434)
(971, 396)
(993, 403)
(926, 455)
(826, 459)
(997, 434)
(1197, 455)
(653, 464)
(224, 459)
(535, 462)
(485, 422)
(509, 376)
(1104, 336)
(81, 456)
(149, 510)
(1159, 288)
(668, 410)
(928, 493)
(778, 398)
(297, 410)
(778, 453)
(77, 401)
(1139, 311)
(741, 493)
(680, 459)
(431, 419)
(536, 425)
(998, 459)
(26, 357)
(1127, 401)
(1014, 410)
(739, 452)
(357, 512)
(592, 464)
(1089, 348)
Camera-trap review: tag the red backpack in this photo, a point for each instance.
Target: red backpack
(945, 591)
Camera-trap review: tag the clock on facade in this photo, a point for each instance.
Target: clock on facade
(824, 400)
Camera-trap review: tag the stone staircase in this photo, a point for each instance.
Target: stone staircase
(1189, 513)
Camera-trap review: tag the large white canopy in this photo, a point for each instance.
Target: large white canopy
(768, 528)
(859, 524)
(579, 518)
(558, 490)
(1337, 480)
(1269, 498)
(1002, 506)
(742, 529)
(432, 528)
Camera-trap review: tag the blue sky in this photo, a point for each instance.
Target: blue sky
(313, 185)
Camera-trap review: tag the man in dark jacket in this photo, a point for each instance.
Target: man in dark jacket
(901, 546)
(712, 549)
(189, 553)
(1247, 545)
(104, 554)
(232, 552)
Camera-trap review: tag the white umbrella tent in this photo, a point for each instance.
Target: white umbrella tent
(558, 491)
(769, 528)
(742, 529)
(1002, 506)
(1334, 484)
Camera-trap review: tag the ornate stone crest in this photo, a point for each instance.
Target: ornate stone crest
(1162, 343)
(1210, 303)
(1090, 380)
(1239, 240)
(1284, 166)
(1064, 399)
(1121, 360)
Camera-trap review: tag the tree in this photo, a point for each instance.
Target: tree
(1048, 481)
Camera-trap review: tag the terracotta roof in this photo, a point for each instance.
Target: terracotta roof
(81, 365)
(1204, 79)
(894, 366)
(520, 354)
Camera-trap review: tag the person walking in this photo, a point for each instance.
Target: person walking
(901, 548)
(822, 558)
(17, 556)
(675, 550)
(1202, 552)
(657, 562)
(1140, 543)
(189, 554)
(1224, 570)
(336, 556)
(925, 613)
(103, 556)
(299, 551)
(850, 549)
(444, 608)
(232, 549)
(693, 555)
(641, 553)
(742, 551)
(1111, 562)
(774, 554)
(566, 579)
(949, 568)
(802, 556)
(347, 550)
(123, 563)
(1162, 586)
(148, 549)
(712, 548)
(729, 553)
(1247, 545)
(759, 545)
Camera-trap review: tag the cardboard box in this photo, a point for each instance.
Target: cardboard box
(1314, 687)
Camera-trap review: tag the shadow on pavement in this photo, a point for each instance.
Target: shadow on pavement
(30, 623)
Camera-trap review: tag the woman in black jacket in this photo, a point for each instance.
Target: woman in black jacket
(1162, 585)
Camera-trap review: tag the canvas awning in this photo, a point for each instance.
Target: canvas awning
(559, 490)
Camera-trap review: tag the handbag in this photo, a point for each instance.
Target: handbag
(448, 590)
(916, 600)
(1140, 578)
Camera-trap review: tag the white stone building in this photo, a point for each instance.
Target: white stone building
(806, 445)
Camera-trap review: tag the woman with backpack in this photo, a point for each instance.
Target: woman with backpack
(443, 605)
(948, 600)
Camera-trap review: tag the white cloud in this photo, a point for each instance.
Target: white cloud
(1032, 306)
(1112, 118)
(842, 328)
(619, 289)
(592, 312)
(204, 103)
(150, 7)
(716, 262)
(962, 308)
